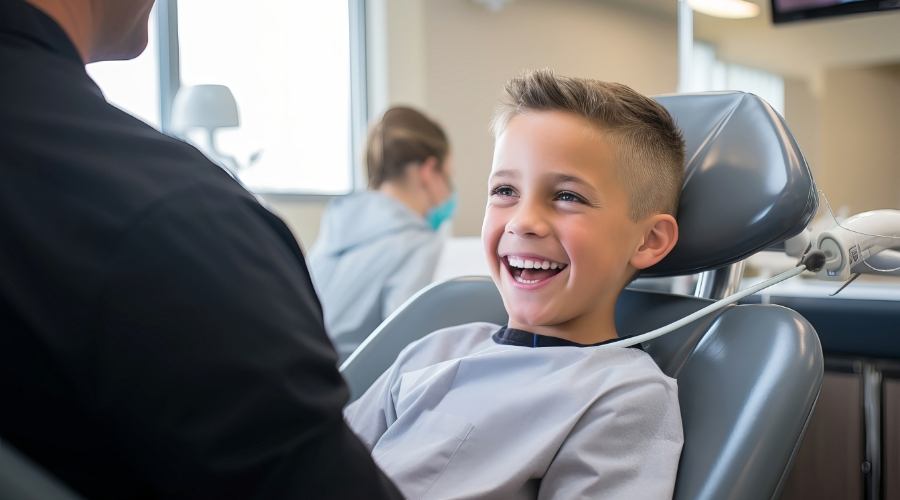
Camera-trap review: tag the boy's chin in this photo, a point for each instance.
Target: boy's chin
(527, 321)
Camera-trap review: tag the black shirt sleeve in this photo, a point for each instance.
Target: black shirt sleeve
(213, 372)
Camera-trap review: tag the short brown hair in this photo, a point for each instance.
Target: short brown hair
(402, 136)
(650, 147)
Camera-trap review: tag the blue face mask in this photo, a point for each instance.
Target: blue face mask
(439, 214)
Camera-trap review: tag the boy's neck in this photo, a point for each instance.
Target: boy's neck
(579, 330)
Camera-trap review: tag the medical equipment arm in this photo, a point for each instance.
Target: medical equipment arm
(855, 245)
(863, 243)
(886, 262)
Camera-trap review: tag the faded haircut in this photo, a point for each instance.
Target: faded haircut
(649, 146)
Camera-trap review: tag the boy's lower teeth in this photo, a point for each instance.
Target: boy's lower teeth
(531, 276)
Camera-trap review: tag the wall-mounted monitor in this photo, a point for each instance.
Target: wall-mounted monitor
(797, 10)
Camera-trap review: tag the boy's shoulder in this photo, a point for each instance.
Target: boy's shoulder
(444, 347)
(448, 343)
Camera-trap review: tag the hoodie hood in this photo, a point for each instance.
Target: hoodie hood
(361, 218)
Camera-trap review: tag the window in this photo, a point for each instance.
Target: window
(709, 73)
(288, 67)
(133, 85)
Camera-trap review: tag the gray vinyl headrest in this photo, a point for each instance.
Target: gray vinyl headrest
(746, 187)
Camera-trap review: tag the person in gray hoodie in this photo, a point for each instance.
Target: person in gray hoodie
(378, 247)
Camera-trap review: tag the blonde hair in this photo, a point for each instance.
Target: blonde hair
(402, 136)
(650, 148)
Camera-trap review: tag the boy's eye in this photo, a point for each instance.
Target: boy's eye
(569, 197)
(505, 191)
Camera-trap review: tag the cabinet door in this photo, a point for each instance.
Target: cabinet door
(827, 466)
(891, 439)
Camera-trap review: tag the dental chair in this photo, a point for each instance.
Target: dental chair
(749, 375)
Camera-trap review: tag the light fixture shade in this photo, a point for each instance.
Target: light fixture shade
(729, 9)
(204, 106)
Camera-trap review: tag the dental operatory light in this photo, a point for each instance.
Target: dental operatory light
(729, 9)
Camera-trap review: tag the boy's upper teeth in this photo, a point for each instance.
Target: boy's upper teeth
(523, 263)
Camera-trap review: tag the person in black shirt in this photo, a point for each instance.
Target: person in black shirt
(159, 333)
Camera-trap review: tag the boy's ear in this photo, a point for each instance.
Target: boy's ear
(660, 236)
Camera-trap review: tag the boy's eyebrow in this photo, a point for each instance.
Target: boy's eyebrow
(505, 173)
(562, 178)
(556, 178)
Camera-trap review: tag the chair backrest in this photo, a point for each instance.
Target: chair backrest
(20, 479)
(747, 378)
(747, 185)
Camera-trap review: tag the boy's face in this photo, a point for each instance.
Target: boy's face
(555, 202)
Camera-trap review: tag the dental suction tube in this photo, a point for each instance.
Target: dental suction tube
(813, 261)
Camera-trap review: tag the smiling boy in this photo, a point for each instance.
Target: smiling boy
(582, 195)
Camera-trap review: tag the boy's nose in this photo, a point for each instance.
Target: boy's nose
(528, 220)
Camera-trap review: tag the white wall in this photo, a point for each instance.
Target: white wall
(847, 123)
(860, 138)
(301, 215)
(801, 111)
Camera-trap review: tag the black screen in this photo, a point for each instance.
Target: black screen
(797, 10)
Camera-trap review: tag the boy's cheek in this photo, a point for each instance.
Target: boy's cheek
(490, 235)
(489, 247)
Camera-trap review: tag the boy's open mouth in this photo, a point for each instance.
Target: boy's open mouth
(531, 270)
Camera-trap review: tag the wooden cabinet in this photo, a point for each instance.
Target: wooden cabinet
(891, 424)
(827, 465)
(831, 462)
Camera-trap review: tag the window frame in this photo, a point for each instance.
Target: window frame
(170, 83)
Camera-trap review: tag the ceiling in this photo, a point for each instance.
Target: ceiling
(800, 49)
